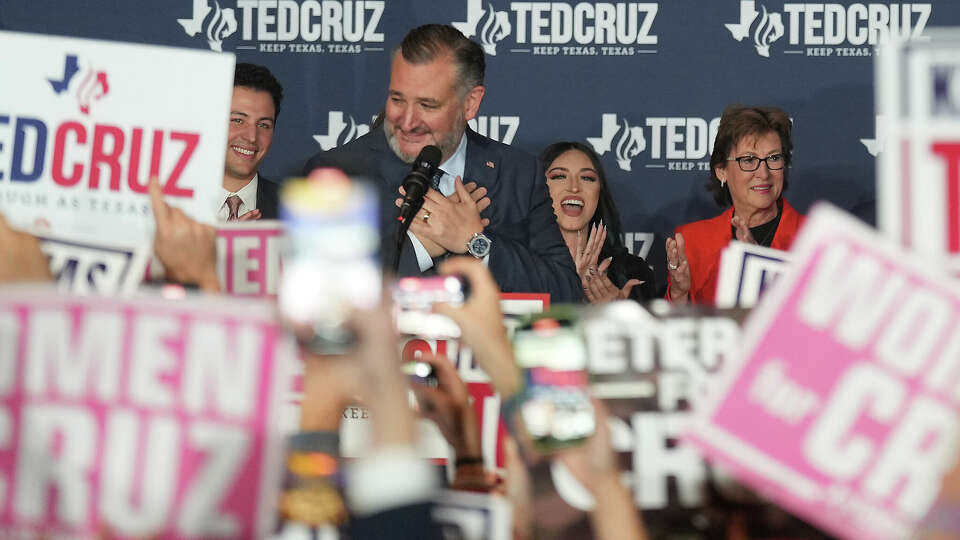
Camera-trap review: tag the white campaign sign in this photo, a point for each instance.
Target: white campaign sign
(84, 124)
(101, 267)
(918, 173)
(746, 270)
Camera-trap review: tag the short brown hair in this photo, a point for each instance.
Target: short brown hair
(737, 123)
(428, 42)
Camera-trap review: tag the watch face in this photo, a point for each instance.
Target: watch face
(479, 246)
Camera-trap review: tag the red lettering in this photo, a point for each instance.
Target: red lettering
(190, 144)
(414, 346)
(136, 184)
(110, 159)
(60, 142)
(951, 155)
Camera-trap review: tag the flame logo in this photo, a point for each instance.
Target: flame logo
(222, 24)
(348, 133)
(629, 143)
(215, 24)
(93, 87)
(769, 30)
(493, 27)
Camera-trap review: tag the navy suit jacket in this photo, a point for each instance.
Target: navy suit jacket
(527, 254)
(267, 199)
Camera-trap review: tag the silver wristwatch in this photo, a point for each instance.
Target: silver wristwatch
(478, 245)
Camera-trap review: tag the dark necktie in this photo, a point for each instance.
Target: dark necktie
(233, 203)
(436, 179)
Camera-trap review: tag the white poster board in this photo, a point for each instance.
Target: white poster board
(918, 173)
(84, 124)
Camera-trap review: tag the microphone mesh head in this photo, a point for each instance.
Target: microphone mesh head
(429, 157)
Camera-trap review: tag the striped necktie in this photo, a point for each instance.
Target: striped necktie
(436, 179)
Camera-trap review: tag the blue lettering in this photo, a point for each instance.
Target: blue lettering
(17, 174)
(3, 120)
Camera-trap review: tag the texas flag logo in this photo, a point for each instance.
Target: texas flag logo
(90, 87)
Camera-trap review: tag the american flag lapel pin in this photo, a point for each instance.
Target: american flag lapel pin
(490, 164)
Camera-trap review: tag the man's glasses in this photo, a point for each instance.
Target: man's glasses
(752, 163)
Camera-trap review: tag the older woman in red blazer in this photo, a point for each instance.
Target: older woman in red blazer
(749, 168)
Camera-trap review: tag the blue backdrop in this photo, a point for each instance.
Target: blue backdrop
(643, 83)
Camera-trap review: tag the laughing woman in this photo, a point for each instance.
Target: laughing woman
(590, 225)
(749, 169)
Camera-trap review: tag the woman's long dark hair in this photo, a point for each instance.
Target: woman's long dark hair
(606, 209)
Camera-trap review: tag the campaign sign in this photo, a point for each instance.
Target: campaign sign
(746, 270)
(918, 173)
(249, 257)
(463, 515)
(101, 267)
(355, 433)
(842, 406)
(84, 124)
(145, 416)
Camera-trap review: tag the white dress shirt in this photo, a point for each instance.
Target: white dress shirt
(452, 168)
(248, 199)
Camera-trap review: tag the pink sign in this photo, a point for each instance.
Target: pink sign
(248, 257)
(843, 405)
(148, 417)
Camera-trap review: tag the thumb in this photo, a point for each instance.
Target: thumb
(625, 291)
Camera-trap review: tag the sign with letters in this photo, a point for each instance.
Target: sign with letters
(842, 407)
(147, 416)
(486, 402)
(84, 124)
(918, 173)
(101, 267)
(746, 270)
(249, 257)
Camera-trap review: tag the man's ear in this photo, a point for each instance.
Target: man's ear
(471, 102)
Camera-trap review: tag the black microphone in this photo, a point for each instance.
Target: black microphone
(418, 181)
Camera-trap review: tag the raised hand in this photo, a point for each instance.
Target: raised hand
(679, 269)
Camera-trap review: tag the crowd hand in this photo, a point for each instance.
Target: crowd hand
(593, 464)
(600, 289)
(479, 196)
(330, 384)
(679, 269)
(518, 489)
(383, 385)
(588, 252)
(450, 222)
(250, 216)
(448, 406)
(742, 231)
(481, 324)
(187, 249)
(20, 256)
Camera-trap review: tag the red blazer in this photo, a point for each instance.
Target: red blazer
(706, 238)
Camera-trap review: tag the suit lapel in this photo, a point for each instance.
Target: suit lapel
(481, 164)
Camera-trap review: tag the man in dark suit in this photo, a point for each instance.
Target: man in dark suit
(436, 86)
(253, 115)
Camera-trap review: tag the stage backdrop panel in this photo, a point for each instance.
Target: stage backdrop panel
(643, 82)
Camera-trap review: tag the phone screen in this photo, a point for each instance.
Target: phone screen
(413, 299)
(550, 349)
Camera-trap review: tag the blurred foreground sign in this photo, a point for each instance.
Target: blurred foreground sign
(918, 173)
(842, 407)
(150, 417)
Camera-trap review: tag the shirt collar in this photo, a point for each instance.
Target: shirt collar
(247, 194)
(455, 165)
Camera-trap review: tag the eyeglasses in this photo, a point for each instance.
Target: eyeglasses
(751, 163)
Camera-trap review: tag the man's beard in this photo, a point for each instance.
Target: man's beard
(447, 145)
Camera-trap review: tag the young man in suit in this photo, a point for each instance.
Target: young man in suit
(436, 86)
(253, 116)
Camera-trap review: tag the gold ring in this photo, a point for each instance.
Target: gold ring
(426, 216)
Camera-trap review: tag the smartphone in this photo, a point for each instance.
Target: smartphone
(421, 373)
(413, 299)
(330, 261)
(549, 347)
(313, 481)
